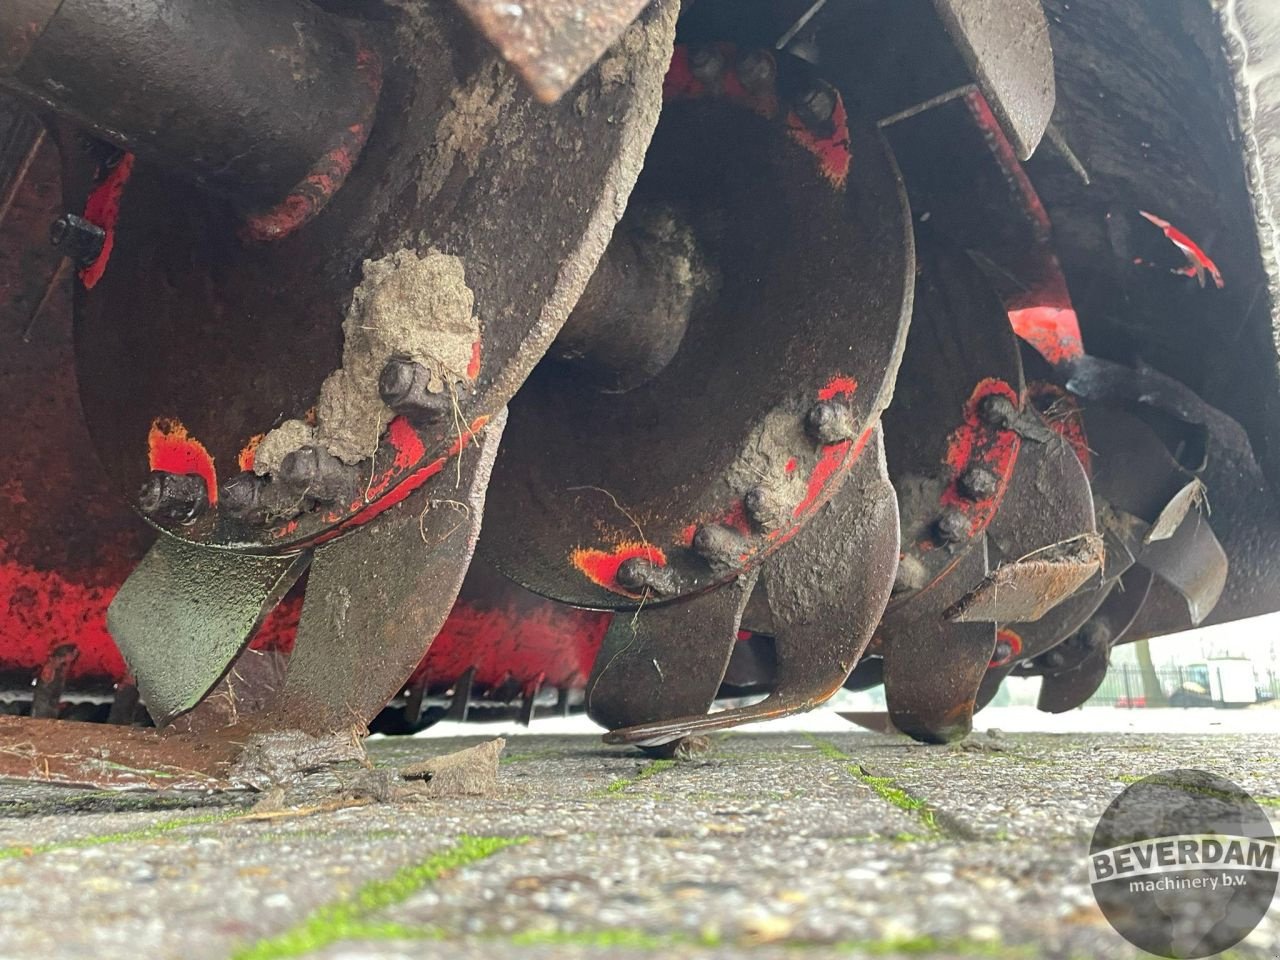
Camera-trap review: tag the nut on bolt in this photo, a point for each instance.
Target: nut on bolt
(978, 483)
(830, 422)
(998, 410)
(707, 64)
(719, 545)
(175, 497)
(757, 72)
(77, 238)
(952, 527)
(816, 104)
(318, 474)
(640, 573)
(241, 496)
(403, 387)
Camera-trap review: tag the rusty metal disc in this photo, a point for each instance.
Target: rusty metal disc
(708, 467)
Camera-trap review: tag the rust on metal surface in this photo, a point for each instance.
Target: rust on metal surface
(552, 43)
(1025, 590)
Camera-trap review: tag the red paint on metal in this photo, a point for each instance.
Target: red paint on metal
(791, 465)
(1016, 176)
(279, 629)
(44, 609)
(1005, 635)
(516, 637)
(1198, 262)
(171, 449)
(830, 148)
(473, 367)
(834, 457)
(601, 567)
(1053, 331)
(975, 443)
(249, 451)
(1063, 415)
(837, 387)
(330, 172)
(680, 83)
(406, 486)
(103, 210)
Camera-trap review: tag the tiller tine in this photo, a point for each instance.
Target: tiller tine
(551, 44)
(187, 611)
(621, 487)
(953, 439)
(877, 721)
(377, 598)
(933, 667)
(666, 661)
(825, 591)
(1075, 670)
(1191, 561)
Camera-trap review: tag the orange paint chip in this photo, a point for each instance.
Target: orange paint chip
(171, 449)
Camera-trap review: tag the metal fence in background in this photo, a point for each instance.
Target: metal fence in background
(1179, 687)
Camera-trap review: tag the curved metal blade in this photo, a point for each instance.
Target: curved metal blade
(185, 614)
(667, 661)
(378, 597)
(1191, 561)
(1080, 678)
(826, 591)
(934, 667)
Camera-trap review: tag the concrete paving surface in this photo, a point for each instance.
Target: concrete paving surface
(771, 845)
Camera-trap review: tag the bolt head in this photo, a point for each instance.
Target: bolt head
(151, 494)
(180, 498)
(707, 64)
(300, 466)
(756, 502)
(952, 527)
(757, 71)
(240, 494)
(635, 573)
(978, 483)
(396, 381)
(997, 410)
(816, 104)
(829, 422)
(1002, 654)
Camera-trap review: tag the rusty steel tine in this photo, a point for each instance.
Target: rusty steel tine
(377, 598)
(1082, 674)
(551, 43)
(667, 661)
(934, 667)
(187, 611)
(826, 591)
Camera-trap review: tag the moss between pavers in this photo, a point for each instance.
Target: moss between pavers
(153, 832)
(652, 768)
(349, 918)
(884, 787)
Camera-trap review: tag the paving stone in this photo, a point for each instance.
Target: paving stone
(845, 845)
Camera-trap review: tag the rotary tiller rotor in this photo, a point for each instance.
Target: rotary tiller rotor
(307, 287)
(665, 498)
(230, 319)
